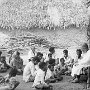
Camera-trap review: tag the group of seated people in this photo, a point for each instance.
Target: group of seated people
(42, 71)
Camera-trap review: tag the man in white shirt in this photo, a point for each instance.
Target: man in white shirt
(29, 70)
(84, 62)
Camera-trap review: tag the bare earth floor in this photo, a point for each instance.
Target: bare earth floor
(62, 85)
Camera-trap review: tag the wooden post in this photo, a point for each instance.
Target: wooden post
(88, 36)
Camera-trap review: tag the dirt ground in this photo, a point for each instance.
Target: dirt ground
(65, 84)
(62, 85)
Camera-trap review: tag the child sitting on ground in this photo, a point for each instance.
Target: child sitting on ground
(9, 82)
(4, 66)
(68, 61)
(51, 75)
(39, 82)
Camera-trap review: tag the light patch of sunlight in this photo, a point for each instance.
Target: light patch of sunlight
(54, 15)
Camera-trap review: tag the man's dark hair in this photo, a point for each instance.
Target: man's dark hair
(0, 52)
(62, 59)
(79, 51)
(36, 59)
(51, 49)
(3, 59)
(42, 65)
(39, 53)
(18, 53)
(52, 62)
(50, 54)
(65, 51)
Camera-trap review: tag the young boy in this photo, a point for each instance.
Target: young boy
(63, 67)
(51, 75)
(68, 61)
(9, 82)
(39, 82)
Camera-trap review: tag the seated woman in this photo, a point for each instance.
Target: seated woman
(9, 82)
(17, 62)
(4, 66)
(83, 63)
(29, 70)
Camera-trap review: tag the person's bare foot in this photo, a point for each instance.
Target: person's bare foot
(88, 86)
(75, 80)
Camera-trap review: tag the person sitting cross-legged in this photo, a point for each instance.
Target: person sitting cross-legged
(51, 75)
(17, 61)
(29, 70)
(39, 82)
(83, 63)
(9, 82)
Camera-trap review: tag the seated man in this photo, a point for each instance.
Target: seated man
(29, 70)
(53, 53)
(40, 56)
(84, 63)
(17, 62)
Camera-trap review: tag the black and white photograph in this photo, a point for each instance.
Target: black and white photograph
(44, 44)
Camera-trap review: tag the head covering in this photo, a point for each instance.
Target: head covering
(30, 54)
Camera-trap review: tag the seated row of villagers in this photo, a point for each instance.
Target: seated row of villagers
(44, 71)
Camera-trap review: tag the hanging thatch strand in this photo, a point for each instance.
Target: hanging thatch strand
(43, 13)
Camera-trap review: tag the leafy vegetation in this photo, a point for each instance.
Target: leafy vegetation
(43, 13)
